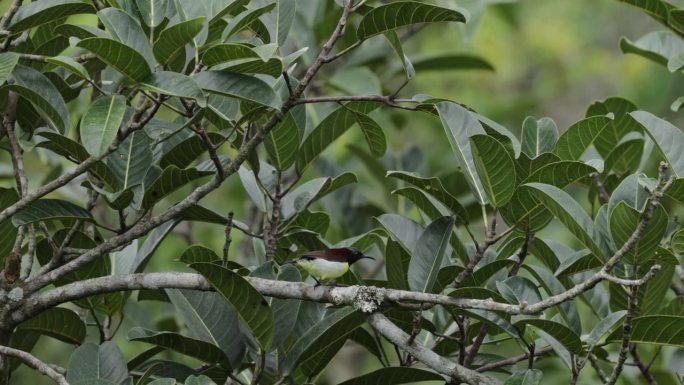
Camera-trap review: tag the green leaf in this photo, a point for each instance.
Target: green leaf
(171, 179)
(74, 152)
(184, 153)
(282, 143)
(199, 349)
(123, 58)
(43, 95)
(285, 11)
(625, 219)
(401, 229)
(92, 362)
(67, 63)
(482, 275)
(495, 168)
(174, 38)
(578, 137)
(304, 195)
(222, 53)
(285, 311)
(175, 84)
(57, 322)
(560, 332)
(527, 377)
(7, 62)
(538, 136)
(101, 122)
(209, 318)
(8, 232)
(667, 137)
(131, 160)
(434, 187)
(152, 11)
(677, 242)
(397, 260)
(238, 86)
(560, 174)
(246, 19)
(658, 46)
(127, 30)
(603, 327)
(625, 157)
(49, 210)
(249, 304)
(459, 125)
(389, 17)
(396, 45)
(311, 348)
(331, 128)
(519, 289)
(450, 62)
(422, 200)
(394, 375)
(373, 134)
(428, 254)
(41, 12)
(621, 124)
(570, 213)
(654, 329)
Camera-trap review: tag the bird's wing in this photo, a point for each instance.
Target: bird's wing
(335, 255)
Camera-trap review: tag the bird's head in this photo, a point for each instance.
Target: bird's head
(354, 254)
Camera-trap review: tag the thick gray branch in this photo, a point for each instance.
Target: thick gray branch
(35, 363)
(433, 360)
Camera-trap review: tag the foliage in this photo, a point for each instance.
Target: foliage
(121, 118)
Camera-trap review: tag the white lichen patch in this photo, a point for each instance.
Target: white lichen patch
(367, 299)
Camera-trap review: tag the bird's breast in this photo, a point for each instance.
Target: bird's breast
(323, 269)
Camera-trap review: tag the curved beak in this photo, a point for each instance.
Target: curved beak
(366, 256)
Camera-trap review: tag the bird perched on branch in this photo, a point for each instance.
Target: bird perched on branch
(330, 263)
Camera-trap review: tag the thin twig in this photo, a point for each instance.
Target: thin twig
(626, 336)
(642, 367)
(229, 238)
(35, 363)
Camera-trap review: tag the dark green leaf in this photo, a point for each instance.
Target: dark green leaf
(578, 137)
(453, 62)
(238, 86)
(222, 53)
(285, 311)
(282, 143)
(175, 84)
(198, 253)
(560, 174)
(560, 332)
(127, 30)
(246, 19)
(285, 11)
(621, 124)
(174, 38)
(7, 62)
(8, 232)
(37, 13)
(434, 187)
(624, 221)
(395, 43)
(604, 326)
(398, 14)
(401, 229)
(527, 377)
(654, 329)
(123, 58)
(45, 98)
(397, 260)
(199, 349)
(677, 242)
(152, 11)
(57, 322)
(49, 210)
(394, 375)
(428, 254)
(171, 179)
(131, 160)
(92, 362)
(69, 64)
(249, 304)
(184, 153)
(667, 137)
(101, 122)
(495, 168)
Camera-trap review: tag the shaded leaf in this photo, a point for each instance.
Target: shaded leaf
(579, 136)
(123, 58)
(667, 137)
(93, 362)
(538, 136)
(185, 345)
(100, 124)
(560, 332)
(238, 86)
(175, 84)
(495, 168)
(57, 322)
(171, 179)
(394, 375)
(434, 187)
(49, 210)
(131, 160)
(37, 13)
(43, 96)
(624, 221)
(654, 329)
(174, 38)
(428, 254)
(398, 14)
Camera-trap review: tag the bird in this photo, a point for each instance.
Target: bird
(328, 264)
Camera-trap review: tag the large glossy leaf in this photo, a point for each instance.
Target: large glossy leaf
(538, 136)
(459, 124)
(570, 213)
(625, 219)
(57, 322)
(331, 128)
(666, 136)
(527, 377)
(398, 14)
(101, 122)
(209, 318)
(282, 143)
(434, 187)
(495, 168)
(152, 11)
(37, 13)
(308, 350)
(677, 242)
(560, 332)
(8, 232)
(199, 349)
(621, 124)
(68, 64)
(174, 38)
(397, 260)
(560, 174)
(90, 362)
(428, 254)
(43, 95)
(394, 375)
(7, 62)
(578, 137)
(131, 160)
(127, 30)
(248, 303)
(222, 53)
(625, 157)
(603, 327)
(171, 179)
(663, 47)
(238, 86)
(49, 210)
(285, 11)
(175, 84)
(401, 229)
(123, 58)
(654, 329)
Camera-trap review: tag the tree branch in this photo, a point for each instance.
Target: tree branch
(626, 336)
(643, 368)
(431, 359)
(35, 363)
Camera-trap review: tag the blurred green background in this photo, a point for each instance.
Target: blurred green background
(551, 58)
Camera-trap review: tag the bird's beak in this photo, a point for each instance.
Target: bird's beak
(366, 256)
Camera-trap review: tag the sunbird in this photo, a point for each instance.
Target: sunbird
(330, 263)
